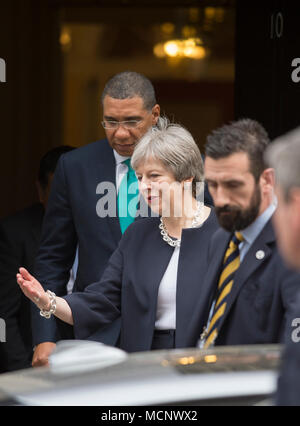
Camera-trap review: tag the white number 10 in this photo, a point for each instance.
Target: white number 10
(276, 25)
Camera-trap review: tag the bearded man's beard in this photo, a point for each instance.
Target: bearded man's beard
(234, 219)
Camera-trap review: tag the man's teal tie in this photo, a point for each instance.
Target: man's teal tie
(128, 190)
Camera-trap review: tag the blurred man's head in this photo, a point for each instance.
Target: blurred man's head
(237, 177)
(129, 110)
(46, 171)
(284, 156)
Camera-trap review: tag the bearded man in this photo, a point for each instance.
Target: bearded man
(249, 291)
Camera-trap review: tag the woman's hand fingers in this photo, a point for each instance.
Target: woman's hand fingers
(27, 288)
(26, 275)
(32, 289)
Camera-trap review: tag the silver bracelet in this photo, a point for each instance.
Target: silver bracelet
(47, 314)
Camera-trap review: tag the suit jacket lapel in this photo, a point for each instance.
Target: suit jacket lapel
(250, 264)
(210, 281)
(190, 283)
(107, 172)
(215, 265)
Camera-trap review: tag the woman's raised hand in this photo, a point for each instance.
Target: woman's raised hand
(33, 289)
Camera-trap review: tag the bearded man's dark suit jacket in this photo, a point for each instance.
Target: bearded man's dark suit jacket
(129, 285)
(262, 297)
(19, 238)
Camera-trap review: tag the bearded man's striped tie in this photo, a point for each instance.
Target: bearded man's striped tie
(230, 264)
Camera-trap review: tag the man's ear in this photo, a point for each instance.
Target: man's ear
(268, 176)
(155, 114)
(267, 180)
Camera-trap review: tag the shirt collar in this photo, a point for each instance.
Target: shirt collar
(251, 232)
(119, 158)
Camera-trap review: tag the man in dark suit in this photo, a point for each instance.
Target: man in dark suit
(249, 291)
(76, 215)
(284, 156)
(19, 237)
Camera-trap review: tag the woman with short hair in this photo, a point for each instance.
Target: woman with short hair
(154, 279)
